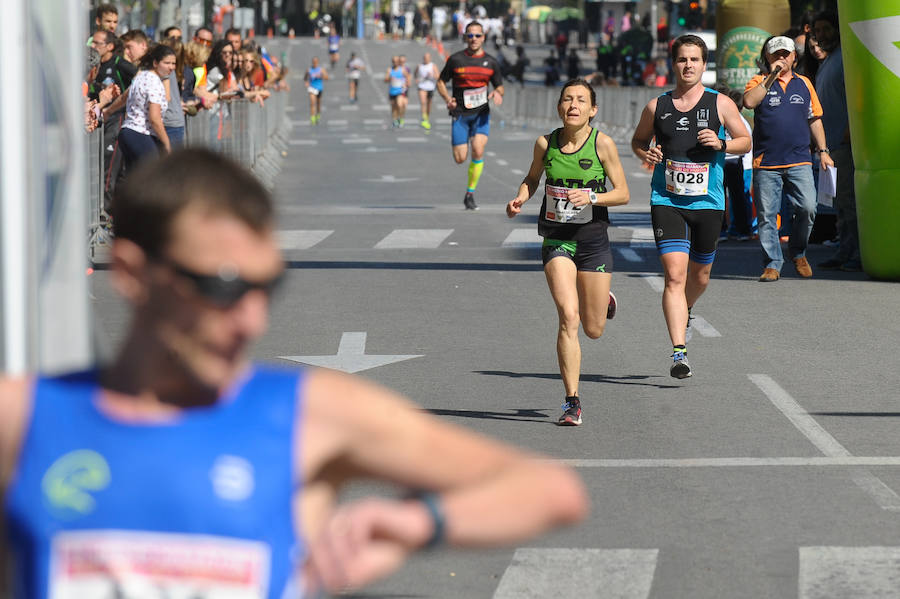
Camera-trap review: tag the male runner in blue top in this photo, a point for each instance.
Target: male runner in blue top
(687, 201)
(184, 468)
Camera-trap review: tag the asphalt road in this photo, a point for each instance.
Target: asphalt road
(773, 472)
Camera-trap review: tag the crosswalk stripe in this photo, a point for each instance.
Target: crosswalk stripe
(630, 255)
(607, 573)
(300, 240)
(346, 107)
(655, 281)
(523, 238)
(381, 107)
(413, 238)
(373, 121)
(858, 572)
(303, 142)
(699, 324)
(336, 122)
(411, 140)
(356, 140)
(300, 123)
(502, 162)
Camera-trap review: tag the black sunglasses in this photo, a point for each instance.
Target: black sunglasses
(226, 288)
(474, 35)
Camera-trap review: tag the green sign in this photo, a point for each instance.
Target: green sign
(737, 55)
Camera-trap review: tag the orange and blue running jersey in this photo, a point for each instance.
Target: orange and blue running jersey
(781, 122)
(195, 506)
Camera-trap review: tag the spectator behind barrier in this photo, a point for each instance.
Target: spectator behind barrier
(195, 95)
(220, 78)
(135, 44)
(107, 17)
(146, 105)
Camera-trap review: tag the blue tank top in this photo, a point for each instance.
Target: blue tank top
(202, 503)
(315, 78)
(691, 176)
(398, 82)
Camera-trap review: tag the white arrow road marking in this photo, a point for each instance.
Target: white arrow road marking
(389, 179)
(858, 572)
(824, 442)
(351, 356)
(879, 36)
(607, 573)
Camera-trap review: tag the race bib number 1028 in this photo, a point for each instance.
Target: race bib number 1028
(687, 178)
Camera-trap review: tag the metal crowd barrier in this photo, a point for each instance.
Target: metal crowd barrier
(618, 108)
(253, 135)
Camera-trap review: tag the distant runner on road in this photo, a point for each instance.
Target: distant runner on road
(315, 78)
(471, 71)
(579, 162)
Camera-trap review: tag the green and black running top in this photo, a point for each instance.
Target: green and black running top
(581, 169)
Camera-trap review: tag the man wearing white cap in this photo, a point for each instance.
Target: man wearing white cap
(786, 115)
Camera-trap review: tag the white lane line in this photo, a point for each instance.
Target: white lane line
(491, 154)
(347, 107)
(641, 175)
(300, 240)
(413, 238)
(655, 281)
(630, 255)
(735, 462)
(300, 123)
(858, 572)
(356, 140)
(381, 107)
(520, 238)
(442, 121)
(517, 171)
(411, 140)
(607, 573)
(373, 121)
(336, 122)
(886, 498)
(502, 162)
(303, 142)
(699, 324)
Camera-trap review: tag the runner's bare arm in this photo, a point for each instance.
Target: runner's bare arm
(497, 95)
(740, 141)
(489, 493)
(643, 134)
(14, 411)
(442, 91)
(532, 180)
(612, 165)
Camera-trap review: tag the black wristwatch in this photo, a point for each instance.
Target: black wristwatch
(724, 144)
(823, 151)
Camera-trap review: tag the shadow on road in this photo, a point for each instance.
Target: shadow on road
(537, 415)
(632, 379)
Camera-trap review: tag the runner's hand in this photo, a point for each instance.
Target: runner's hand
(451, 104)
(578, 197)
(364, 541)
(497, 98)
(654, 155)
(514, 207)
(708, 138)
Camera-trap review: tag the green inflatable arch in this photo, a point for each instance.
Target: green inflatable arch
(870, 41)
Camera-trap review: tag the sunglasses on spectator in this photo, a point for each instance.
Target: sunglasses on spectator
(207, 43)
(224, 289)
(474, 35)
